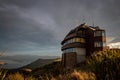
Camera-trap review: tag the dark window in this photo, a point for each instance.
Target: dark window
(98, 33)
(98, 44)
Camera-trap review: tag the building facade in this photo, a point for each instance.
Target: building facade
(82, 42)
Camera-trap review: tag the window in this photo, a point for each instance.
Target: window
(104, 44)
(69, 41)
(103, 33)
(69, 50)
(80, 32)
(98, 44)
(98, 33)
(81, 40)
(77, 40)
(73, 39)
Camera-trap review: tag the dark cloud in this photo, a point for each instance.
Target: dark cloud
(22, 28)
(36, 25)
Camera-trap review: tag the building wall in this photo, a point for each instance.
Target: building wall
(81, 53)
(90, 42)
(69, 59)
(80, 58)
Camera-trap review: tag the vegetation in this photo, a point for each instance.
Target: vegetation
(106, 65)
(18, 76)
(103, 65)
(3, 72)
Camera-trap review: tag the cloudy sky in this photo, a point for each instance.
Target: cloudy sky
(38, 26)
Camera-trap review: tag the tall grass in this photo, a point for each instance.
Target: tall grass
(76, 75)
(2, 73)
(18, 76)
(105, 64)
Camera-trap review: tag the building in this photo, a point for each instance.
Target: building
(82, 42)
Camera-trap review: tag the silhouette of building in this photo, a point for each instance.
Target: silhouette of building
(82, 42)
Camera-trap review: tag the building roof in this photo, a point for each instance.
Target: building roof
(83, 26)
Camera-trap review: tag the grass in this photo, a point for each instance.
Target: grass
(18, 76)
(103, 65)
(3, 72)
(106, 65)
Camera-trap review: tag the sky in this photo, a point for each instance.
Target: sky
(37, 27)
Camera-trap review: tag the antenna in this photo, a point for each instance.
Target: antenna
(93, 21)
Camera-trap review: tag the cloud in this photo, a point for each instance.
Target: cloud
(31, 29)
(114, 45)
(42, 24)
(110, 39)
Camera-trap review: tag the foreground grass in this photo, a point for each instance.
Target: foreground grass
(18, 76)
(104, 65)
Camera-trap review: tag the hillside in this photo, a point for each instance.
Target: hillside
(39, 63)
(103, 65)
(17, 61)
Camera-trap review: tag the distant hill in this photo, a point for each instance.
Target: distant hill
(17, 61)
(39, 63)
